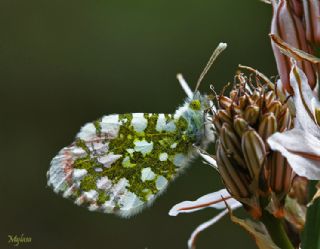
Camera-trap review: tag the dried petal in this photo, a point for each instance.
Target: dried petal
(258, 232)
(311, 11)
(297, 7)
(289, 28)
(213, 200)
(218, 200)
(205, 225)
(295, 213)
(292, 51)
(305, 102)
(208, 158)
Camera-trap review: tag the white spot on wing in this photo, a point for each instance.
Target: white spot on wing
(79, 173)
(91, 195)
(99, 147)
(104, 183)
(170, 127)
(120, 187)
(147, 174)
(87, 132)
(130, 151)
(130, 201)
(139, 122)
(110, 125)
(80, 200)
(163, 157)
(120, 197)
(162, 124)
(77, 151)
(60, 170)
(143, 146)
(69, 191)
(179, 160)
(173, 146)
(181, 110)
(108, 160)
(93, 207)
(108, 206)
(150, 196)
(161, 182)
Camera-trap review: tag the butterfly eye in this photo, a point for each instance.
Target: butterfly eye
(195, 105)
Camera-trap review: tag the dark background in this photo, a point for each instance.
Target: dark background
(64, 63)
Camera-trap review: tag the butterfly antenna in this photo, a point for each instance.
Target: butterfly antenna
(221, 47)
(185, 86)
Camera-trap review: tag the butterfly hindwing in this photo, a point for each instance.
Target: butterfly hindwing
(121, 163)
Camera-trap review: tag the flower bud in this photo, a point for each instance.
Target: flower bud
(267, 126)
(225, 102)
(254, 152)
(243, 101)
(224, 116)
(280, 174)
(235, 181)
(275, 107)
(269, 98)
(246, 164)
(240, 126)
(251, 114)
(232, 144)
(284, 120)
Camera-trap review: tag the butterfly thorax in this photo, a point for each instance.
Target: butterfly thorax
(195, 113)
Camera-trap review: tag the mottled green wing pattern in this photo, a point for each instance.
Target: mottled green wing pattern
(121, 163)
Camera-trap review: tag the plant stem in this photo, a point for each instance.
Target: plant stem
(311, 232)
(276, 231)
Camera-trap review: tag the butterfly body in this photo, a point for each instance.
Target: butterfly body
(121, 163)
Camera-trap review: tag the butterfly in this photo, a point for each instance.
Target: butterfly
(121, 163)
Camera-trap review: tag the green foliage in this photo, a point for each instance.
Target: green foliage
(311, 233)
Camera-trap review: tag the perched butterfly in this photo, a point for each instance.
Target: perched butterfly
(121, 163)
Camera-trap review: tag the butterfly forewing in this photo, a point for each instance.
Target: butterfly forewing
(121, 163)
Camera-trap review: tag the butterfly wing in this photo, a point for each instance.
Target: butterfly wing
(121, 163)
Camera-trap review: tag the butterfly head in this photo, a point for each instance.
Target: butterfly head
(199, 102)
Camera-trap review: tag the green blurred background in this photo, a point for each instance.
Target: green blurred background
(65, 63)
